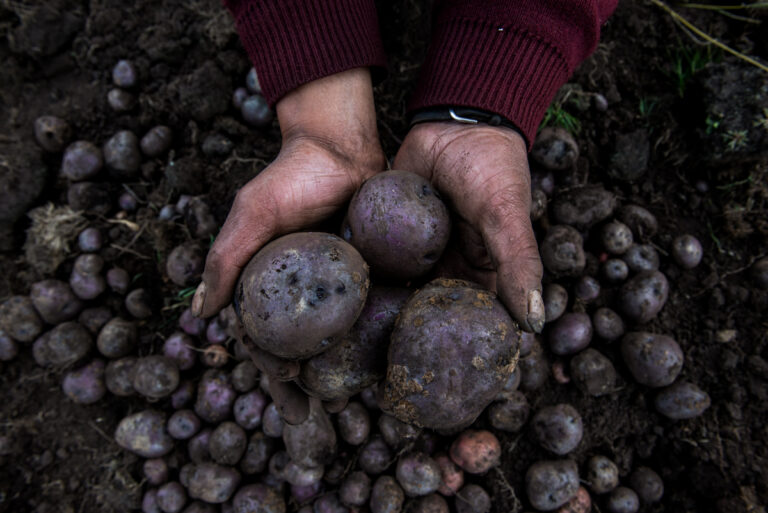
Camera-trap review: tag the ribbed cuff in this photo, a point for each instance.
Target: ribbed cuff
(292, 42)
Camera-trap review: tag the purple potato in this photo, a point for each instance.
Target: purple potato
(183, 394)
(356, 489)
(417, 474)
(271, 423)
(227, 443)
(155, 376)
(550, 484)
(602, 474)
(396, 433)
(156, 471)
(562, 251)
(90, 240)
(682, 400)
(593, 373)
(127, 201)
(476, 451)
(622, 500)
(95, 318)
(642, 223)
(183, 424)
(215, 333)
(180, 348)
(185, 263)
(156, 141)
(8, 347)
(144, 434)
(687, 251)
(122, 155)
(534, 368)
(375, 456)
(87, 286)
(19, 319)
(643, 296)
(238, 97)
(647, 484)
(118, 280)
(587, 289)
(199, 219)
(452, 350)
(199, 507)
(215, 396)
(52, 133)
(257, 454)
(213, 483)
(86, 384)
(124, 74)
(82, 160)
(354, 423)
(137, 302)
(63, 346)
(120, 101)
(190, 324)
(472, 499)
(512, 384)
(117, 338)
(215, 356)
(555, 149)
(198, 448)
(313, 442)
(281, 466)
(399, 224)
(149, 502)
(118, 376)
(256, 112)
(583, 206)
(608, 324)
(386, 496)
(655, 360)
(616, 237)
(329, 503)
(54, 301)
(759, 272)
(510, 414)
(559, 428)
(300, 290)
(171, 497)
(571, 333)
(615, 270)
(432, 503)
(368, 396)
(245, 376)
(248, 409)
(252, 82)
(543, 180)
(641, 258)
(359, 359)
(258, 498)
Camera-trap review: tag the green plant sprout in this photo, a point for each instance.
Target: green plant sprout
(763, 121)
(556, 115)
(736, 139)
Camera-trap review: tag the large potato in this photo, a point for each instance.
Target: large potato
(452, 350)
(299, 291)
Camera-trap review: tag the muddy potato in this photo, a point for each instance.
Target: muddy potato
(156, 141)
(180, 348)
(355, 489)
(616, 237)
(642, 223)
(171, 497)
(398, 223)
(555, 149)
(602, 474)
(615, 270)
(622, 500)
(248, 409)
(149, 502)
(54, 301)
(52, 133)
(155, 376)
(550, 484)
(534, 368)
(19, 319)
(655, 360)
(682, 400)
(687, 251)
(641, 258)
(259, 450)
(144, 434)
(65, 345)
(245, 376)
(213, 483)
(417, 474)
(300, 290)
(227, 443)
(183, 424)
(118, 280)
(555, 302)
(258, 498)
(359, 358)
(472, 499)
(185, 263)
(138, 304)
(476, 451)
(558, 429)
(313, 442)
(451, 475)
(375, 457)
(156, 471)
(593, 373)
(118, 376)
(82, 160)
(562, 251)
(571, 333)
(86, 384)
(122, 155)
(95, 318)
(583, 206)
(386, 496)
(397, 433)
(647, 484)
(587, 289)
(117, 338)
(579, 503)
(271, 423)
(607, 324)
(453, 347)
(643, 296)
(510, 414)
(354, 423)
(282, 467)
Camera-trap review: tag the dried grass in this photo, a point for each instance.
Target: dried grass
(50, 236)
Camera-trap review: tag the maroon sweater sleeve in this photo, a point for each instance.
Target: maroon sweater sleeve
(507, 56)
(292, 42)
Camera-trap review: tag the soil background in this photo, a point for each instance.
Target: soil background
(685, 134)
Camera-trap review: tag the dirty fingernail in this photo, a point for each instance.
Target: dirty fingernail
(535, 315)
(198, 300)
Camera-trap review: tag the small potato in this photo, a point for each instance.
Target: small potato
(534, 368)
(180, 348)
(580, 503)
(472, 499)
(197, 447)
(190, 324)
(138, 304)
(149, 502)
(144, 434)
(682, 400)
(213, 483)
(215, 396)
(647, 484)
(65, 345)
(92, 197)
(258, 498)
(759, 272)
(282, 467)
(156, 141)
(227, 443)
(117, 338)
(512, 384)
(476, 451)
(570, 333)
(118, 376)
(124, 74)
(185, 263)
(615, 270)
(558, 429)
(155, 376)
(562, 251)
(642, 223)
(156, 471)
(511, 414)
(417, 474)
(593, 373)
(550, 484)
(52, 133)
(338, 469)
(451, 475)
(87, 286)
(183, 394)
(396, 433)
(555, 149)
(257, 454)
(95, 318)
(432, 503)
(171, 497)
(555, 302)
(641, 258)
(256, 112)
(183, 424)
(122, 155)
(356, 489)
(55, 301)
(642, 297)
(86, 384)
(386, 496)
(215, 356)
(687, 251)
(616, 237)
(354, 424)
(622, 500)
(587, 289)
(118, 280)
(8, 347)
(199, 507)
(19, 319)
(583, 206)
(271, 423)
(607, 324)
(313, 442)
(602, 474)
(655, 360)
(245, 376)
(375, 457)
(248, 409)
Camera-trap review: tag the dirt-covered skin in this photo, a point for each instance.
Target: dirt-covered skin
(452, 350)
(299, 291)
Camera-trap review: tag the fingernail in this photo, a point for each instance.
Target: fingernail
(536, 313)
(198, 300)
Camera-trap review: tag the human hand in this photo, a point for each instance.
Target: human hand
(482, 172)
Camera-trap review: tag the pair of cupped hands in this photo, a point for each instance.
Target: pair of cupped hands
(330, 145)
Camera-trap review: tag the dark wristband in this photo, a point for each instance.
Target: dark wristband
(466, 115)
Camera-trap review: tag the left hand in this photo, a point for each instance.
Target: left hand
(482, 171)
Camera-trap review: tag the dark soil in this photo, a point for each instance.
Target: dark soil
(690, 120)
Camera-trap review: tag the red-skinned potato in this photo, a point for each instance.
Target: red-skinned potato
(579, 503)
(476, 451)
(451, 475)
